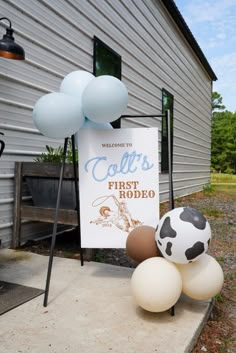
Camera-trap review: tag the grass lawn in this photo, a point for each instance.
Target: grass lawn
(220, 178)
(223, 184)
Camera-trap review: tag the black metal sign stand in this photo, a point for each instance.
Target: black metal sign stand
(54, 233)
(171, 192)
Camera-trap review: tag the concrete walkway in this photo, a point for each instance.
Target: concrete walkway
(90, 310)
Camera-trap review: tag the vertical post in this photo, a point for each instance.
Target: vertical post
(16, 236)
(53, 241)
(77, 196)
(171, 194)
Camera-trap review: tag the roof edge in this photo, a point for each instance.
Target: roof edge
(180, 22)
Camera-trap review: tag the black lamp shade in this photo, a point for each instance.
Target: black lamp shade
(9, 49)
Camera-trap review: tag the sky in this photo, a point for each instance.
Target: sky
(213, 24)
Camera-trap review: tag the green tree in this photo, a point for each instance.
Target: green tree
(216, 101)
(223, 148)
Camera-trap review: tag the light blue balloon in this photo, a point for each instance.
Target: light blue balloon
(75, 82)
(88, 124)
(104, 99)
(58, 115)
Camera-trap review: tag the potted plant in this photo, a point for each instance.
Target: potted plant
(44, 179)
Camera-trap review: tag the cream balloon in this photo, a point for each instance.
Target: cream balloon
(156, 284)
(75, 82)
(202, 279)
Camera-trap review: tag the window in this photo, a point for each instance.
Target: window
(106, 62)
(167, 104)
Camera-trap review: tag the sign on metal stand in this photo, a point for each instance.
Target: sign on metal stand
(118, 178)
(119, 184)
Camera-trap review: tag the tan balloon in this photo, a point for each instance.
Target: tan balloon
(141, 244)
(202, 279)
(156, 284)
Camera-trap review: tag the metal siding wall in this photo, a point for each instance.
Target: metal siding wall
(156, 56)
(57, 38)
(22, 83)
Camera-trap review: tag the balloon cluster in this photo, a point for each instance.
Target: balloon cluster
(172, 259)
(84, 102)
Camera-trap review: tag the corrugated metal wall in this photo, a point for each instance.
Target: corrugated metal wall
(57, 36)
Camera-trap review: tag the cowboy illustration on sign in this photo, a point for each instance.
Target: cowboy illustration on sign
(120, 217)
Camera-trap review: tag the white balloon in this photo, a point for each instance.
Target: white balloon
(202, 279)
(183, 235)
(75, 82)
(58, 115)
(104, 99)
(156, 284)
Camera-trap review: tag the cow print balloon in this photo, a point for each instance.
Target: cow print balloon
(183, 235)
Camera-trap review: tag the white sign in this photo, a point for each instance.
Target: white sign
(118, 183)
